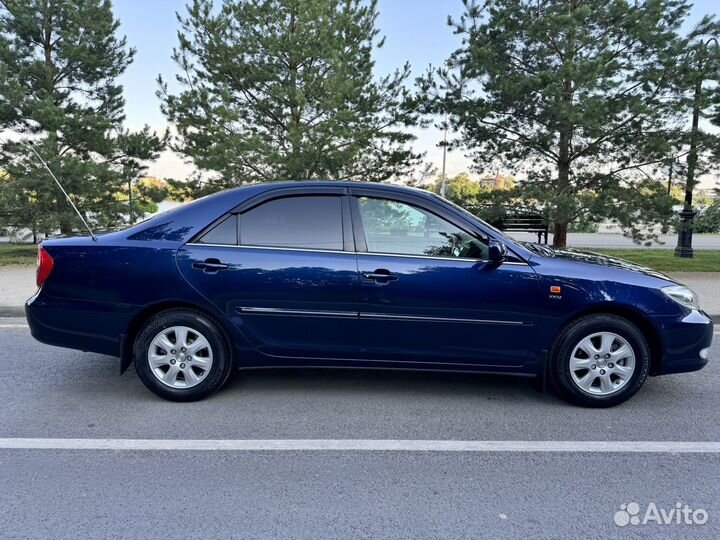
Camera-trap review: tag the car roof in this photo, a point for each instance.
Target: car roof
(182, 222)
(266, 186)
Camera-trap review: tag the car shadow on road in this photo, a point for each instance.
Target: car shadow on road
(98, 376)
(353, 381)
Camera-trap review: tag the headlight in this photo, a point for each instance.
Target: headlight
(683, 295)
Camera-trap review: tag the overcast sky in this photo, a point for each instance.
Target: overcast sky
(416, 31)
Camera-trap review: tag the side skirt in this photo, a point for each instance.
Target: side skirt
(393, 368)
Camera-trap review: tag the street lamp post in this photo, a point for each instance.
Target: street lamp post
(131, 213)
(684, 244)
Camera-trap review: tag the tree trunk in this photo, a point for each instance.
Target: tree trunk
(66, 228)
(564, 159)
(560, 235)
(563, 183)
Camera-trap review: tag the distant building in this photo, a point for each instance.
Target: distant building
(497, 181)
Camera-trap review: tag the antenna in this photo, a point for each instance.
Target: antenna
(92, 235)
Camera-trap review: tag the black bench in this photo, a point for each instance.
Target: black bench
(534, 223)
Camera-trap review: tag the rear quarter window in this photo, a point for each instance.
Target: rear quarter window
(225, 232)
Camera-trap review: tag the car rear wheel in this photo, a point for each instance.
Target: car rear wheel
(600, 361)
(182, 355)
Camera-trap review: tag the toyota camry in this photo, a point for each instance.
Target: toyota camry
(335, 274)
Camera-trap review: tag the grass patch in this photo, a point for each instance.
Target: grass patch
(25, 254)
(664, 260)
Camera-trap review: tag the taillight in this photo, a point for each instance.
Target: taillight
(44, 265)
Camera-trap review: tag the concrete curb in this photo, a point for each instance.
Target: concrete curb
(19, 311)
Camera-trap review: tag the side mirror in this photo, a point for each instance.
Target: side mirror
(496, 251)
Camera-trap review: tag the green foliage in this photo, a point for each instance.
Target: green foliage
(184, 190)
(491, 205)
(58, 87)
(153, 189)
(708, 220)
(147, 193)
(583, 226)
(460, 189)
(577, 93)
(284, 89)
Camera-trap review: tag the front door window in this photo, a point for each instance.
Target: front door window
(395, 227)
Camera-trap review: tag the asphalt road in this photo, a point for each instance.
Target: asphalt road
(55, 393)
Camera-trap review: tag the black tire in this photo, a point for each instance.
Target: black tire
(216, 376)
(570, 337)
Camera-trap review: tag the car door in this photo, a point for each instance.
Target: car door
(428, 292)
(284, 270)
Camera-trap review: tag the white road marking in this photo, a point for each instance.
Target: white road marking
(704, 447)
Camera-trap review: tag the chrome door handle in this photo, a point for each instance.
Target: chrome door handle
(210, 266)
(380, 276)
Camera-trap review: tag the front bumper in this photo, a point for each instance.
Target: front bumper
(686, 343)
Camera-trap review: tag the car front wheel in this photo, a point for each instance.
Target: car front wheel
(182, 355)
(600, 361)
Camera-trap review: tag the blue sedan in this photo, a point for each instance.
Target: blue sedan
(335, 274)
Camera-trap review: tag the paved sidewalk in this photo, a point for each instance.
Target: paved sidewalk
(17, 284)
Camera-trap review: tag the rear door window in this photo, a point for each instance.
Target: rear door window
(306, 222)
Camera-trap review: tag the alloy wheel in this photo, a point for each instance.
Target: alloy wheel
(602, 363)
(180, 357)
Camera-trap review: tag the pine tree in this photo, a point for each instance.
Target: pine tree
(59, 65)
(697, 103)
(577, 92)
(284, 89)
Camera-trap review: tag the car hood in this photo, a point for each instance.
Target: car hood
(588, 257)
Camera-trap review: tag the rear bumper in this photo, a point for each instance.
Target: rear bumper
(85, 326)
(685, 341)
